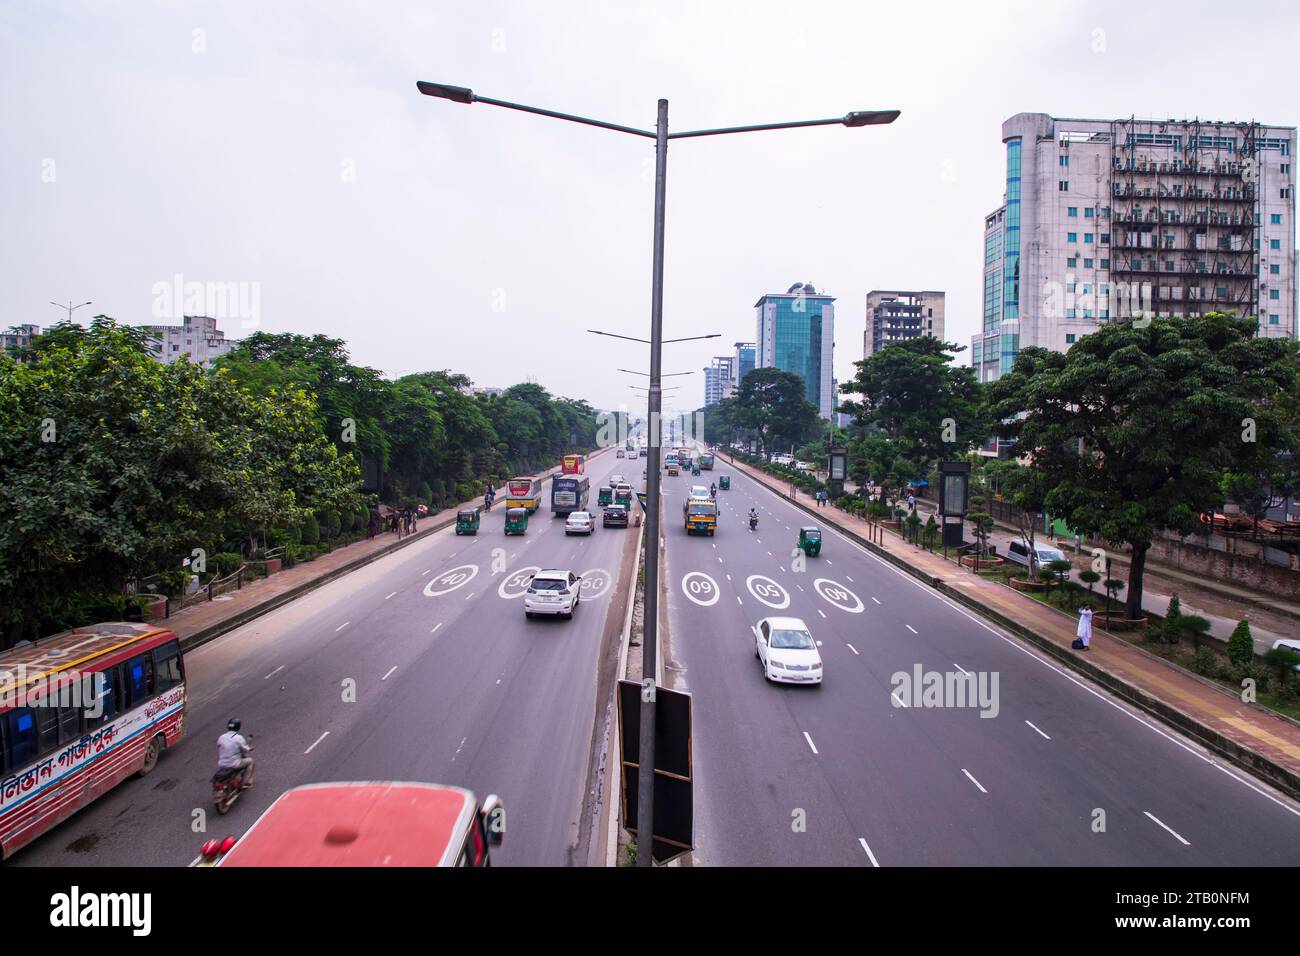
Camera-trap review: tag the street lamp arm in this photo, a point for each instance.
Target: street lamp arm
(856, 118)
(461, 94)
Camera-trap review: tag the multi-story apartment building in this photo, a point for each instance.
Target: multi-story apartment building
(746, 357)
(18, 337)
(1106, 220)
(719, 378)
(796, 333)
(895, 316)
(197, 336)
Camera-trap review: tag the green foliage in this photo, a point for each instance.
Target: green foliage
(226, 563)
(1194, 625)
(310, 530)
(1172, 627)
(1089, 577)
(1205, 662)
(1241, 645)
(772, 405)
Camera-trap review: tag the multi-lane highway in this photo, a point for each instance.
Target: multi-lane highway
(420, 666)
(842, 774)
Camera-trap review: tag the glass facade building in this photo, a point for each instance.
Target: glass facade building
(796, 333)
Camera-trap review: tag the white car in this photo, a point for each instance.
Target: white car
(787, 651)
(615, 480)
(552, 592)
(579, 522)
(699, 491)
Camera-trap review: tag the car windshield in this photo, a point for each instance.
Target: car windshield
(792, 640)
(1049, 554)
(548, 584)
(579, 516)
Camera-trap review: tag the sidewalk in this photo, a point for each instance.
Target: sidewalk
(1265, 744)
(202, 622)
(1222, 605)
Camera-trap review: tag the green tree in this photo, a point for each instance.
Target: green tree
(772, 405)
(1241, 645)
(1133, 427)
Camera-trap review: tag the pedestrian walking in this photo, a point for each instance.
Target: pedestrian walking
(1083, 633)
(911, 501)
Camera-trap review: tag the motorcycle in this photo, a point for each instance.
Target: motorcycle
(226, 788)
(753, 522)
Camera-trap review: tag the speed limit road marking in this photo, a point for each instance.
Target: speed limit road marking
(595, 583)
(514, 584)
(768, 591)
(448, 581)
(700, 588)
(838, 595)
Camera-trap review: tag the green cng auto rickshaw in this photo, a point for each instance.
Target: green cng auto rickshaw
(695, 467)
(724, 483)
(516, 520)
(810, 540)
(605, 496)
(467, 520)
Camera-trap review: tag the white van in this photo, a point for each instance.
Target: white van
(1019, 553)
(1290, 645)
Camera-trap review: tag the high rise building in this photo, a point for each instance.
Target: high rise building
(796, 333)
(895, 316)
(992, 345)
(746, 357)
(1107, 220)
(197, 336)
(719, 378)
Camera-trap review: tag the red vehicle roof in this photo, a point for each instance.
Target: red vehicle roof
(359, 824)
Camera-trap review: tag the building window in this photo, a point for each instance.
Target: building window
(1072, 211)
(1069, 313)
(1104, 314)
(1087, 237)
(1089, 213)
(1063, 186)
(1069, 338)
(1272, 318)
(1069, 286)
(1286, 192)
(1275, 243)
(1105, 263)
(1087, 313)
(1087, 289)
(1276, 219)
(1087, 263)
(1105, 238)
(1286, 169)
(1272, 294)
(1275, 269)
(1065, 160)
(1071, 237)
(1071, 262)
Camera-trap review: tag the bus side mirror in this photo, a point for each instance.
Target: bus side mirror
(493, 815)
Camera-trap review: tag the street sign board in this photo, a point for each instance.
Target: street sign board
(674, 810)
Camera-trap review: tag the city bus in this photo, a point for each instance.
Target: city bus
(706, 461)
(79, 713)
(367, 824)
(573, 464)
(525, 492)
(569, 493)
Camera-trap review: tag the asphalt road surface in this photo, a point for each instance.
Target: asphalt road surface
(420, 666)
(843, 775)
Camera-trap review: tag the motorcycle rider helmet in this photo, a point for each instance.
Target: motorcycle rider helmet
(233, 724)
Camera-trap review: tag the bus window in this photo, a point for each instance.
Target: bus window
(167, 667)
(107, 683)
(69, 724)
(47, 729)
(139, 680)
(20, 738)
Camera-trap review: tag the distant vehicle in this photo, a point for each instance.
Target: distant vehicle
(580, 522)
(569, 493)
(699, 491)
(553, 592)
(1289, 645)
(620, 454)
(641, 452)
(805, 466)
(573, 464)
(616, 480)
(787, 651)
(1019, 553)
(79, 713)
(467, 521)
(706, 461)
(673, 470)
(701, 514)
(623, 494)
(615, 516)
(367, 824)
(524, 492)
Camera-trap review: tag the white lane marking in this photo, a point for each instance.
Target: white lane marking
(850, 580)
(1045, 737)
(829, 561)
(450, 580)
(318, 740)
(1174, 832)
(274, 672)
(389, 596)
(876, 599)
(810, 743)
(719, 559)
(728, 577)
(436, 626)
(341, 626)
(870, 856)
(739, 601)
(821, 612)
(973, 780)
(390, 672)
(425, 571)
(462, 744)
(799, 586)
(468, 596)
(769, 554)
(853, 649)
(911, 628)
(768, 591)
(960, 668)
(901, 702)
(838, 595)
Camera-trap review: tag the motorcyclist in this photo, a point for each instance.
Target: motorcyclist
(753, 518)
(232, 753)
(713, 490)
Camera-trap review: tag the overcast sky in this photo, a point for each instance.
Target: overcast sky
(283, 146)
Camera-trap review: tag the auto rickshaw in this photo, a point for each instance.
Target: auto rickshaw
(516, 520)
(467, 520)
(695, 468)
(605, 496)
(724, 483)
(810, 540)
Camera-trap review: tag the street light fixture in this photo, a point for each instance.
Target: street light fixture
(69, 308)
(633, 338)
(461, 94)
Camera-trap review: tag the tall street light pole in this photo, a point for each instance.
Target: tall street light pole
(661, 136)
(69, 308)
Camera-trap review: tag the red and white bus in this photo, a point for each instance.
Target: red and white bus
(367, 824)
(79, 713)
(573, 464)
(525, 492)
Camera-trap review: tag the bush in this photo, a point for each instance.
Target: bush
(465, 492)
(332, 524)
(1205, 662)
(1171, 628)
(1241, 646)
(173, 583)
(310, 532)
(227, 562)
(1282, 662)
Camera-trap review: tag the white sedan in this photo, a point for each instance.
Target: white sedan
(787, 651)
(553, 592)
(579, 522)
